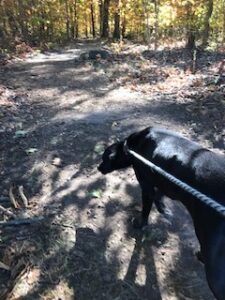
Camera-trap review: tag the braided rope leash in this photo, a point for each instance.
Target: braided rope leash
(202, 197)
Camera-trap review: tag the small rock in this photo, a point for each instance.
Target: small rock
(94, 54)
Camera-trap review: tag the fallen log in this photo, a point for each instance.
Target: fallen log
(17, 222)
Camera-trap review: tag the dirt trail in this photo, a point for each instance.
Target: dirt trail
(59, 117)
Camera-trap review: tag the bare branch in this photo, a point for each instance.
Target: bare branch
(12, 198)
(23, 197)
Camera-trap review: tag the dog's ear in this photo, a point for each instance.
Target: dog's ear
(125, 147)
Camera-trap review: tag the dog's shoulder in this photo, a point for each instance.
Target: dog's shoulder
(136, 139)
(152, 137)
(153, 133)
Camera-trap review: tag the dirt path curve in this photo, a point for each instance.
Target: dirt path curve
(67, 112)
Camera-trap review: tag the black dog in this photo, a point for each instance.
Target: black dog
(197, 166)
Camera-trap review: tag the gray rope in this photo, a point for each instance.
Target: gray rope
(202, 197)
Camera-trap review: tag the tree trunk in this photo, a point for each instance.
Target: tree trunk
(223, 30)
(72, 20)
(86, 25)
(100, 17)
(123, 29)
(156, 9)
(22, 20)
(4, 29)
(190, 41)
(93, 20)
(105, 23)
(148, 30)
(205, 34)
(67, 20)
(12, 24)
(116, 33)
(11, 17)
(75, 23)
(41, 36)
(191, 30)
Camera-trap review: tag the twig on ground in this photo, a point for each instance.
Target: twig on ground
(23, 197)
(12, 198)
(63, 225)
(7, 212)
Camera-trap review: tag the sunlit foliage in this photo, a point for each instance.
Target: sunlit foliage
(46, 21)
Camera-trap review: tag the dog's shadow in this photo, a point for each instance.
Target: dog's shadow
(95, 270)
(167, 236)
(142, 262)
(96, 277)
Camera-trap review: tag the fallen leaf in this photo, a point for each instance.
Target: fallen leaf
(20, 133)
(31, 150)
(4, 266)
(114, 124)
(95, 193)
(99, 148)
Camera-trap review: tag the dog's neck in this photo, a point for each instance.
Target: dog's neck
(125, 147)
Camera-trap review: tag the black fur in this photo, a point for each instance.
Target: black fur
(191, 163)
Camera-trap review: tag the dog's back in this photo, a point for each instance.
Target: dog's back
(185, 159)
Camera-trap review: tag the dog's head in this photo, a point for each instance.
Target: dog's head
(114, 158)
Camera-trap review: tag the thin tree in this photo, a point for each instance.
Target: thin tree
(156, 10)
(117, 31)
(92, 19)
(223, 30)
(191, 30)
(75, 22)
(208, 14)
(67, 20)
(100, 16)
(147, 23)
(105, 19)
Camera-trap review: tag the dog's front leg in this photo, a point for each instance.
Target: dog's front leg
(147, 200)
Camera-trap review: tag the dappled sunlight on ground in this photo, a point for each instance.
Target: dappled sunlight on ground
(85, 246)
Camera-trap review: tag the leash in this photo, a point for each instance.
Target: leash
(200, 196)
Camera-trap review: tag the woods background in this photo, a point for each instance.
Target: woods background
(56, 21)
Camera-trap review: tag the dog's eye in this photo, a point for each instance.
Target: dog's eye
(112, 155)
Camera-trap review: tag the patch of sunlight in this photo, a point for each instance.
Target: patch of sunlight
(165, 258)
(54, 56)
(141, 275)
(122, 251)
(121, 93)
(25, 283)
(60, 291)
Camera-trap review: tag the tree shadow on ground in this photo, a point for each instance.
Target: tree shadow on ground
(99, 78)
(169, 244)
(182, 58)
(80, 160)
(80, 244)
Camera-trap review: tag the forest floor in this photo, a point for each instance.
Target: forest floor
(57, 113)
